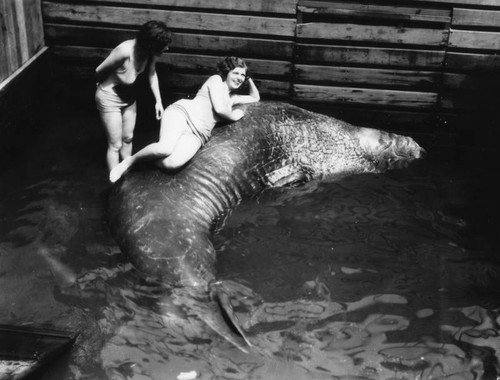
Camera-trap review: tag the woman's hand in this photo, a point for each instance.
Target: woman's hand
(252, 97)
(158, 110)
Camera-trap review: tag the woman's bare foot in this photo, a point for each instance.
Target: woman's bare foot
(119, 170)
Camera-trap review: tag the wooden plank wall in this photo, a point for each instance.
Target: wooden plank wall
(261, 31)
(375, 56)
(408, 61)
(23, 75)
(21, 34)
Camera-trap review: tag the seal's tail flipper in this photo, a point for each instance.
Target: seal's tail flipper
(227, 309)
(238, 305)
(217, 320)
(208, 309)
(222, 299)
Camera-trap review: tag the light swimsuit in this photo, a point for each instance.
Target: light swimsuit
(115, 98)
(199, 113)
(110, 97)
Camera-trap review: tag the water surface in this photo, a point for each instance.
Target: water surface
(391, 276)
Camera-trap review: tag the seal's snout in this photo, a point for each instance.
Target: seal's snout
(408, 148)
(389, 150)
(421, 154)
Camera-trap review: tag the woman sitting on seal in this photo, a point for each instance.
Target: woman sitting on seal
(187, 124)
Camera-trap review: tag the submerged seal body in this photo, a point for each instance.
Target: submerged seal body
(163, 222)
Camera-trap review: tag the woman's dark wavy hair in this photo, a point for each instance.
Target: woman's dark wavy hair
(154, 36)
(228, 64)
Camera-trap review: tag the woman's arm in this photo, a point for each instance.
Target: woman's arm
(252, 97)
(114, 60)
(221, 102)
(155, 87)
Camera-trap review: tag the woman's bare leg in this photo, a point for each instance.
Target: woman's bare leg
(112, 122)
(173, 126)
(129, 116)
(186, 148)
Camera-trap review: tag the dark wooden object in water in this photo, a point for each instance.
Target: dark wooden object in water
(25, 351)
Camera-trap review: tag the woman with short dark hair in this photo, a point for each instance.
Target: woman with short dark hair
(115, 95)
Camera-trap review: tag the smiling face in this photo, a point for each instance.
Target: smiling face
(235, 78)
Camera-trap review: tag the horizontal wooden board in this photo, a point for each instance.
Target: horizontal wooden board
(189, 84)
(199, 21)
(330, 94)
(386, 118)
(177, 61)
(81, 35)
(183, 83)
(224, 45)
(351, 55)
(467, 39)
(477, 3)
(84, 35)
(207, 63)
(368, 76)
(470, 61)
(261, 6)
(373, 33)
(375, 11)
(476, 17)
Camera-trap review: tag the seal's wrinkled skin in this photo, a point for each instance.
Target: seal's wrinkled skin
(163, 222)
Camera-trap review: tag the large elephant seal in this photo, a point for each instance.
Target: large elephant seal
(163, 222)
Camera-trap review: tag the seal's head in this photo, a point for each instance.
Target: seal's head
(389, 150)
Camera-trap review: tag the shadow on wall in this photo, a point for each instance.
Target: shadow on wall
(478, 107)
(21, 103)
(477, 102)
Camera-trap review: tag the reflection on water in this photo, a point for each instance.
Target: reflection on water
(375, 277)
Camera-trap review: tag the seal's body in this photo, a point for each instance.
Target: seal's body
(163, 222)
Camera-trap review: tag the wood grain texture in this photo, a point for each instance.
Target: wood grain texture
(199, 21)
(331, 94)
(476, 17)
(473, 39)
(464, 61)
(355, 76)
(21, 34)
(375, 11)
(176, 61)
(84, 35)
(477, 3)
(373, 33)
(362, 55)
(264, 6)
